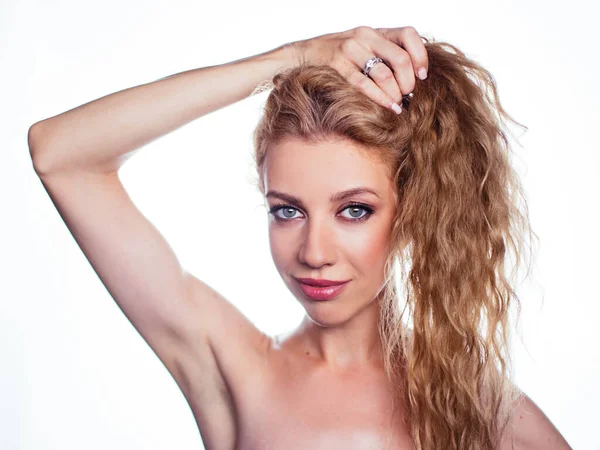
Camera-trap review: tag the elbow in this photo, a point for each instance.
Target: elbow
(37, 142)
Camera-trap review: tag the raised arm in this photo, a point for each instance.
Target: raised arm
(199, 336)
(101, 135)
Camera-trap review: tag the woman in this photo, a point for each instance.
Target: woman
(375, 148)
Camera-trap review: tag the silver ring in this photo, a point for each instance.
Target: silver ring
(370, 64)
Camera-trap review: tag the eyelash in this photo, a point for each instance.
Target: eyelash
(369, 211)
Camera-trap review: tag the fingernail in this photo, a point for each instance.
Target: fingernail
(422, 73)
(396, 107)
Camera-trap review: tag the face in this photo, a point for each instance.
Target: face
(316, 232)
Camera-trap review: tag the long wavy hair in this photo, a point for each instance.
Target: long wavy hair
(461, 214)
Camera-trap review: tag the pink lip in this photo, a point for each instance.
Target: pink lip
(320, 282)
(322, 293)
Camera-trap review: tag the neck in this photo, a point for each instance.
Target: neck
(354, 343)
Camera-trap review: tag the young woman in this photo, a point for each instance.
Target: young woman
(375, 148)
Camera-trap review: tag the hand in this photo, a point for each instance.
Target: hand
(402, 49)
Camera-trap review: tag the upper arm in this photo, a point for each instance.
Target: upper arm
(530, 429)
(179, 316)
(131, 258)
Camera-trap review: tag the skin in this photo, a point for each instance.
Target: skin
(319, 238)
(332, 361)
(320, 386)
(335, 352)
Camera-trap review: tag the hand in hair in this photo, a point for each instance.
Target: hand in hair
(401, 49)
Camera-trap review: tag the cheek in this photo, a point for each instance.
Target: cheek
(281, 248)
(368, 249)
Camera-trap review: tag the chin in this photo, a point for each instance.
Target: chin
(327, 314)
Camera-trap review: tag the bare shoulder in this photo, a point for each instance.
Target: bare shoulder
(220, 363)
(232, 336)
(531, 429)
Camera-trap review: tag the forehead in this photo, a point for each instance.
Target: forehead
(296, 166)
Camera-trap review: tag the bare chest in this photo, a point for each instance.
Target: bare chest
(294, 409)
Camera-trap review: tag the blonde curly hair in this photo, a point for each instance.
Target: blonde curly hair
(458, 219)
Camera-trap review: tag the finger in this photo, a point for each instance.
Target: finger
(381, 84)
(372, 90)
(357, 52)
(410, 40)
(396, 58)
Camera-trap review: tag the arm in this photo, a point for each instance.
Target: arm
(101, 135)
(201, 338)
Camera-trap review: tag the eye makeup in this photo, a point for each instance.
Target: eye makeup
(368, 211)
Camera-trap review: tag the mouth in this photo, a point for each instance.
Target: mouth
(320, 282)
(322, 292)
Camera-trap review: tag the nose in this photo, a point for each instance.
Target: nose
(318, 245)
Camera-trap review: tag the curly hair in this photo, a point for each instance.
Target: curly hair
(459, 218)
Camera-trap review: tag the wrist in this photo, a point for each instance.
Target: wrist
(275, 61)
(287, 55)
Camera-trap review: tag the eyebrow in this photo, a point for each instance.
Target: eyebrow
(334, 198)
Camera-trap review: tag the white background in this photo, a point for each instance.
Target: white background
(75, 374)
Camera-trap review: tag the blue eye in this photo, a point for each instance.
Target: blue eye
(354, 208)
(286, 210)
